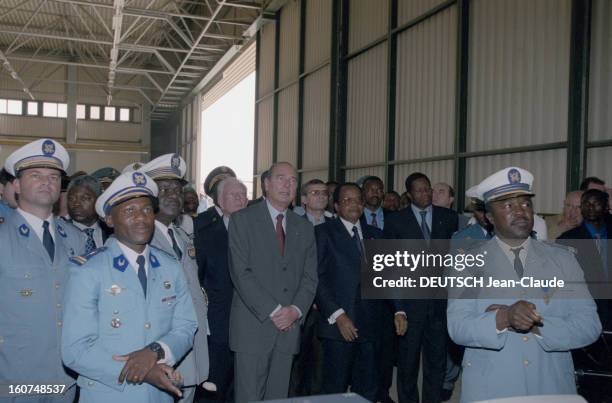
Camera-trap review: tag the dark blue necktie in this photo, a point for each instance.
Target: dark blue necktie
(90, 245)
(48, 240)
(357, 240)
(177, 250)
(142, 274)
(518, 265)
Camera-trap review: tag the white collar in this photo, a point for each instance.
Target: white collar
(83, 227)
(36, 223)
(131, 256)
(349, 226)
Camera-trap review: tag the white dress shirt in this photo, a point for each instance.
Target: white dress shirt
(37, 224)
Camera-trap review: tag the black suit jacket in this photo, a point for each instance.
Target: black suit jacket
(404, 225)
(339, 269)
(213, 271)
(205, 218)
(590, 260)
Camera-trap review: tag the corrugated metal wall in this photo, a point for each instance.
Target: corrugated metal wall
(289, 46)
(426, 87)
(264, 134)
(265, 70)
(599, 163)
(316, 120)
(547, 167)
(518, 89)
(408, 10)
(368, 21)
(317, 44)
(518, 73)
(366, 130)
(288, 125)
(600, 79)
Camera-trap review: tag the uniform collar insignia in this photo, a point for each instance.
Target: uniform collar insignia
(120, 263)
(153, 260)
(61, 231)
(24, 230)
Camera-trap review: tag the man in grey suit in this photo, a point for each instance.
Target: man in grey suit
(273, 265)
(168, 172)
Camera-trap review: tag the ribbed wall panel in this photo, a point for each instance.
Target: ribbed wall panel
(547, 167)
(408, 10)
(519, 72)
(101, 131)
(306, 176)
(600, 78)
(90, 161)
(288, 124)
(599, 163)
(317, 44)
(32, 126)
(366, 127)
(316, 119)
(352, 175)
(436, 171)
(264, 134)
(368, 21)
(266, 59)
(289, 46)
(426, 86)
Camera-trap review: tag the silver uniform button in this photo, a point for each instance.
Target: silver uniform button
(147, 325)
(115, 312)
(90, 383)
(59, 323)
(115, 322)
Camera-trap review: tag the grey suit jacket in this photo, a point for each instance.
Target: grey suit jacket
(263, 278)
(194, 366)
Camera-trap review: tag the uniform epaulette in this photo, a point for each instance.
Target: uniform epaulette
(561, 246)
(81, 260)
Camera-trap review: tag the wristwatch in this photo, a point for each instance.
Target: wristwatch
(157, 349)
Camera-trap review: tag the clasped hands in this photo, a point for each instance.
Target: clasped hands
(522, 316)
(141, 366)
(285, 318)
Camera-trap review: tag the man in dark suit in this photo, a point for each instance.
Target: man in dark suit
(273, 266)
(374, 214)
(591, 241)
(213, 213)
(426, 318)
(211, 254)
(350, 328)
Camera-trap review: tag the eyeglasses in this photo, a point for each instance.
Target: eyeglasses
(347, 201)
(319, 193)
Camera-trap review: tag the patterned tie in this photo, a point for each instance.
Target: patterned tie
(518, 265)
(280, 234)
(177, 250)
(48, 240)
(90, 245)
(142, 274)
(374, 222)
(357, 240)
(424, 227)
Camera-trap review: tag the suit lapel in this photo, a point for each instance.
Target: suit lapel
(160, 241)
(291, 233)
(345, 238)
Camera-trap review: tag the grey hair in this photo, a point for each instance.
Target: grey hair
(228, 181)
(87, 181)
